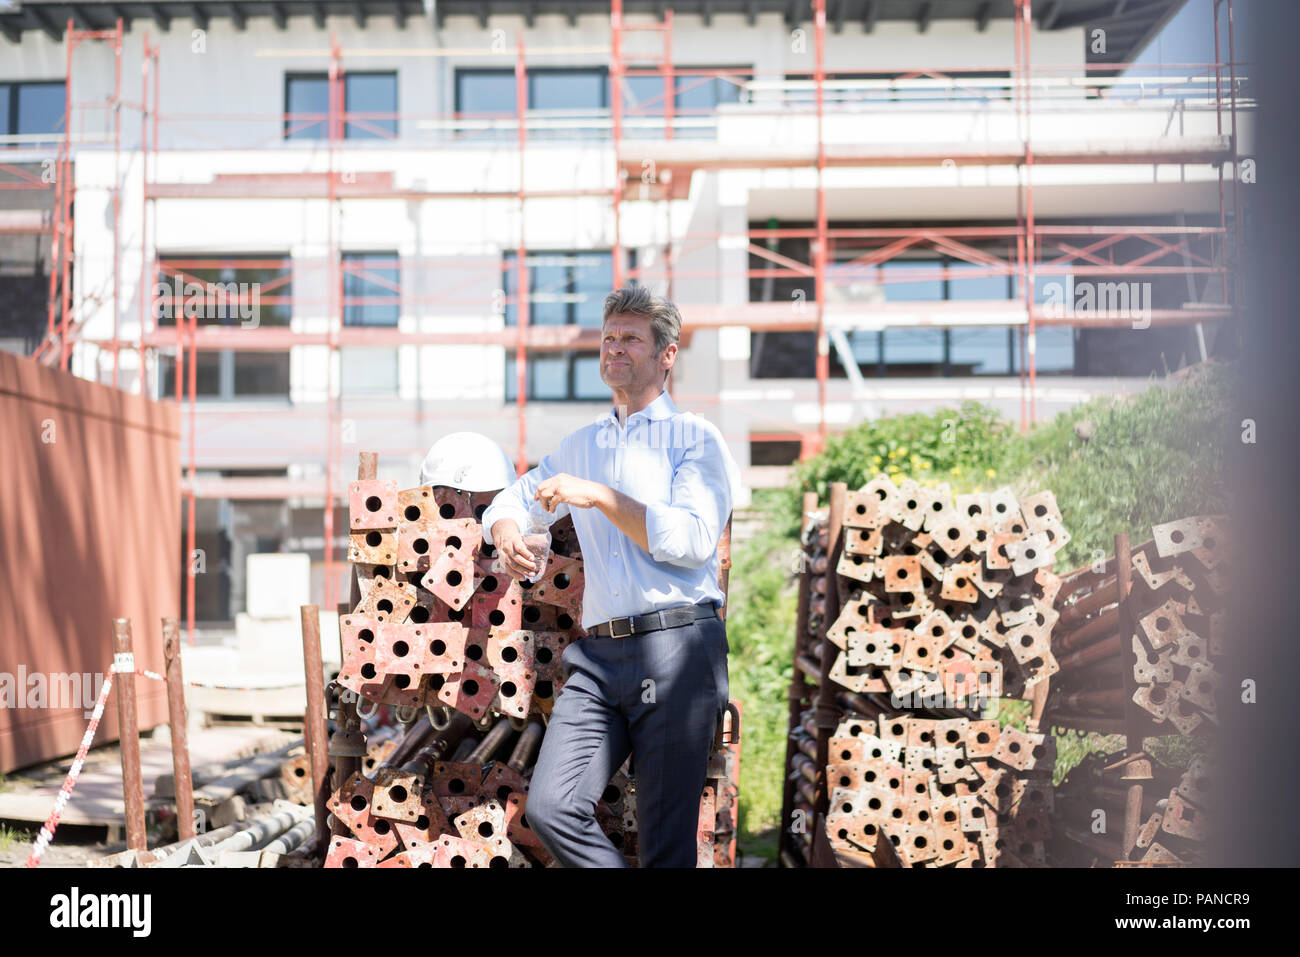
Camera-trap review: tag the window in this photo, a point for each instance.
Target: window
(566, 288)
(227, 290)
(696, 96)
(369, 105)
(371, 297)
(580, 94)
(31, 109)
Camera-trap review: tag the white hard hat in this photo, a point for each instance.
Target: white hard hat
(468, 461)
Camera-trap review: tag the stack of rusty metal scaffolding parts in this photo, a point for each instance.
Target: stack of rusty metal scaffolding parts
(1139, 642)
(470, 661)
(938, 604)
(947, 597)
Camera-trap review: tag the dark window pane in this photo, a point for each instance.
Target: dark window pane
(39, 108)
(915, 347)
(261, 373)
(4, 110)
(1055, 349)
(567, 90)
(981, 351)
(586, 378)
(593, 279)
(485, 93)
(307, 103)
(371, 289)
(207, 377)
(371, 93)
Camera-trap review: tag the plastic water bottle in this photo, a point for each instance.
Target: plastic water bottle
(537, 538)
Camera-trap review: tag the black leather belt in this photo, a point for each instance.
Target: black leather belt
(654, 621)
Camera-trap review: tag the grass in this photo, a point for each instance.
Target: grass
(1115, 464)
(12, 837)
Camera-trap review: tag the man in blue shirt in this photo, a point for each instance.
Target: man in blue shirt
(650, 490)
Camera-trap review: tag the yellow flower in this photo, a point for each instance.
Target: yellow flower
(990, 473)
(893, 468)
(956, 470)
(902, 451)
(925, 465)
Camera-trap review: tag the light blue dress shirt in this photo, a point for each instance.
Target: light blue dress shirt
(678, 466)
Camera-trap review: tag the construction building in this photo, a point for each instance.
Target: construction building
(322, 215)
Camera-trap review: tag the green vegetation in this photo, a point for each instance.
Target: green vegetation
(1116, 464)
(12, 837)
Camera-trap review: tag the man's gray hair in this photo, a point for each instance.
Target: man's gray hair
(665, 320)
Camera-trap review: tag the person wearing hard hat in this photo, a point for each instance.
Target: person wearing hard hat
(467, 461)
(649, 489)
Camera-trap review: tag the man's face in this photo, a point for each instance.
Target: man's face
(627, 354)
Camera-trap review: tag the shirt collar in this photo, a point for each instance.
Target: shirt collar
(661, 408)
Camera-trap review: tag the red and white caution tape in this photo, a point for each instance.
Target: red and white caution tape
(47, 829)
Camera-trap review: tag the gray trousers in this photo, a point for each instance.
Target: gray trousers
(658, 695)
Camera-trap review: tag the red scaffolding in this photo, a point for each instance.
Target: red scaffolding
(1084, 249)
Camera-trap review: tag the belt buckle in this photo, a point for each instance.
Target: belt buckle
(630, 630)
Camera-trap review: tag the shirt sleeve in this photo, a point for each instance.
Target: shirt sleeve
(515, 500)
(686, 530)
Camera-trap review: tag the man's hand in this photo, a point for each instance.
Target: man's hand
(515, 557)
(568, 489)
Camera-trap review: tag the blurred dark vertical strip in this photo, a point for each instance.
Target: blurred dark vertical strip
(1260, 779)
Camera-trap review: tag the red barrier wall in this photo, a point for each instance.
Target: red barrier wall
(89, 521)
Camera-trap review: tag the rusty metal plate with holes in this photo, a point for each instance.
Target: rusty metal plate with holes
(346, 852)
(1019, 749)
(920, 733)
(860, 568)
(908, 507)
(442, 645)
(546, 649)
(952, 532)
(453, 852)
(1159, 700)
(397, 794)
(952, 766)
(919, 760)
(849, 775)
(418, 543)
(863, 541)
(1159, 854)
(862, 509)
(959, 582)
(1149, 831)
(416, 504)
(901, 573)
(1150, 667)
(456, 779)
(1033, 552)
(1195, 783)
(1183, 820)
(1047, 585)
(1164, 626)
(1000, 549)
(1152, 572)
(851, 620)
(951, 733)
(974, 507)
(982, 738)
(562, 584)
(425, 830)
(856, 680)
(1014, 610)
(885, 491)
(1183, 715)
(873, 647)
(352, 805)
(399, 650)
(1191, 650)
(295, 775)
(377, 753)
(414, 858)
(1029, 642)
(921, 650)
(915, 844)
(437, 501)
(515, 691)
(517, 831)
(366, 575)
(936, 501)
(375, 546)
(974, 813)
(355, 632)
(502, 781)
(1201, 685)
(470, 690)
(372, 504)
(893, 728)
(388, 602)
(482, 823)
(1005, 514)
(1174, 538)
(452, 577)
(498, 603)
(1040, 512)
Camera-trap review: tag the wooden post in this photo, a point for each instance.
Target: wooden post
(826, 711)
(177, 721)
(314, 722)
(129, 734)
